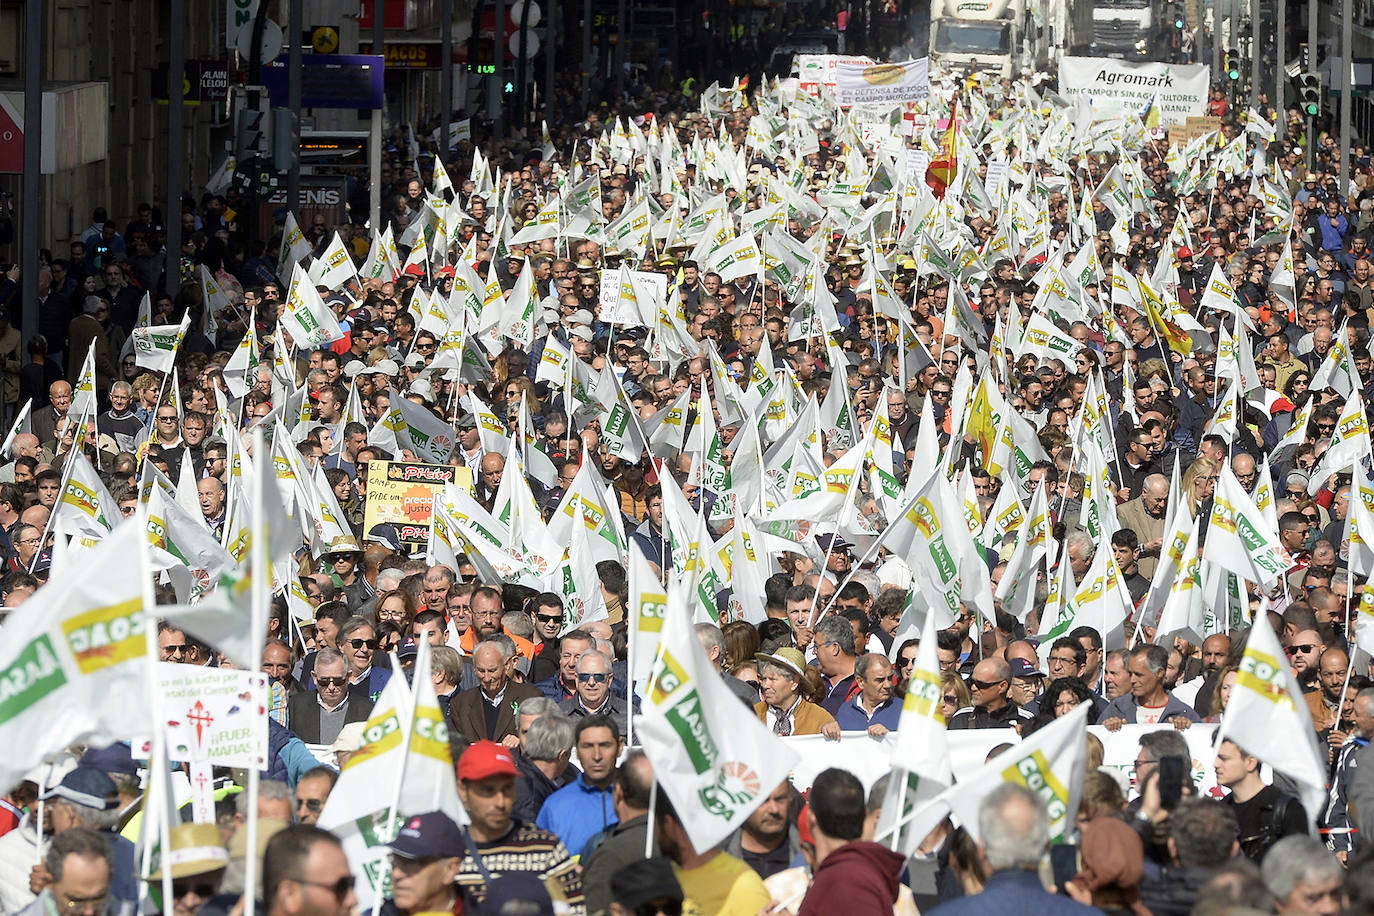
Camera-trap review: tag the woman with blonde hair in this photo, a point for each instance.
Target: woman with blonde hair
(1199, 482)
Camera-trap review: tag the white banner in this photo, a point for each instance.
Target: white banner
(968, 749)
(1180, 90)
(861, 83)
(214, 715)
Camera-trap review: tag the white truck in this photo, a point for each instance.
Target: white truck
(989, 38)
(1128, 29)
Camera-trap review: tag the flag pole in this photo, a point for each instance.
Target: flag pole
(649, 834)
(259, 583)
(407, 731)
(159, 750)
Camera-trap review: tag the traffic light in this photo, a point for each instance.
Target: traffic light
(1310, 94)
(250, 133)
(1231, 64)
(1179, 22)
(285, 152)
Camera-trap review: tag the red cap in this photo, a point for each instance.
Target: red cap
(485, 759)
(1185, 252)
(414, 270)
(446, 271)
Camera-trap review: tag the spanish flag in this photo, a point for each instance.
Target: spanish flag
(942, 169)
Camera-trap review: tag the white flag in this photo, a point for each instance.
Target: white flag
(1238, 537)
(309, 320)
(74, 659)
(1049, 763)
(920, 754)
(156, 347)
(715, 759)
(1267, 716)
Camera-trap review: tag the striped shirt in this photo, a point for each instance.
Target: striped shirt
(525, 848)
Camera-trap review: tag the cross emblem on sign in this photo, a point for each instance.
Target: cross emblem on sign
(202, 780)
(200, 717)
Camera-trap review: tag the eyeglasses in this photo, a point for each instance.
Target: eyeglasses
(331, 681)
(202, 889)
(1301, 649)
(340, 889)
(1313, 517)
(360, 643)
(310, 804)
(592, 677)
(1063, 660)
(952, 698)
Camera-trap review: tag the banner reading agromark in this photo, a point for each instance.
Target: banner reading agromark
(1115, 85)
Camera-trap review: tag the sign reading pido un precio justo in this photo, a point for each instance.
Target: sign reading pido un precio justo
(1180, 90)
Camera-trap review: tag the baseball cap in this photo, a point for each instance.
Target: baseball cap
(485, 759)
(415, 360)
(117, 758)
(385, 534)
(646, 880)
(833, 543)
(580, 331)
(86, 786)
(388, 366)
(518, 887)
(1185, 252)
(429, 835)
(581, 316)
(1022, 668)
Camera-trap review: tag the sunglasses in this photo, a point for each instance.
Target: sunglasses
(666, 907)
(340, 889)
(589, 677)
(549, 618)
(331, 681)
(982, 685)
(360, 643)
(905, 662)
(950, 698)
(1303, 648)
(201, 889)
(310, 804)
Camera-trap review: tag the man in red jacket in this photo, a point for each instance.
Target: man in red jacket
(852, 876)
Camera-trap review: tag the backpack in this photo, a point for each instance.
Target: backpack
(1254, 847)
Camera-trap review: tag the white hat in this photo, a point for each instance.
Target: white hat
(414, 360)
(387, 367)
(581, 316)
(895, 574)
(580, 331)
(423, 389)
(355, 368)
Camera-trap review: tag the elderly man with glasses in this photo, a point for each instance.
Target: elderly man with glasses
(318, 715)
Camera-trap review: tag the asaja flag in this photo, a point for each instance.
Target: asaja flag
(713, 756)
(920, 754)
(73, 664)
(1238, 537)
(1268, 717)
(156, 347)
(1049, 763)
(309, 320)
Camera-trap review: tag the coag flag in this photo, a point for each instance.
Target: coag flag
(713, 756)
(920, 754)
(1268, 717)
(1049, 763)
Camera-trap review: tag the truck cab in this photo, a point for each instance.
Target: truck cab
(1126, 29)
(990, 38)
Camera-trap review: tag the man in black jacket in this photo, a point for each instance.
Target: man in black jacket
(1202, 839)
(546, 738)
